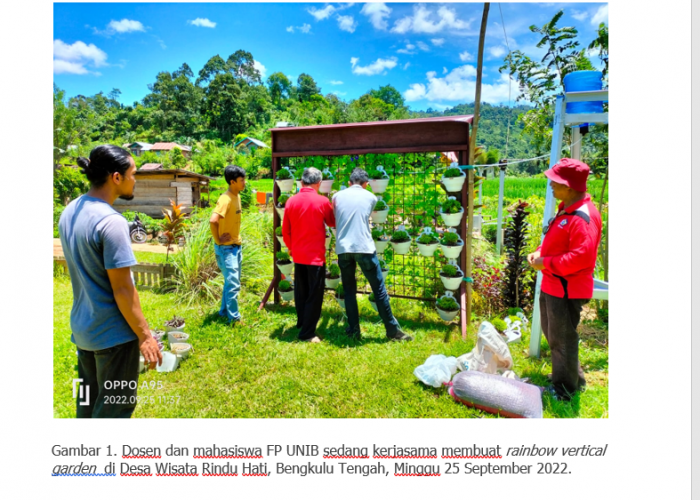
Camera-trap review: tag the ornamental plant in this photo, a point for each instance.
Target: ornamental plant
(451, 207)
(427, 238)
(453, 172)
(283, 174)
(450, 271)
(400, 236)
(334, 271)
(285, 286)
(340, 291)
(375, 174)
(447, 304)
(381, 205)
(327, 176)
(283, 258)
(499, 325)
(298, 173)
(450, 239)
(517, 289)
(282, 199)
(278, 231)
(488, 283)
(378, 234)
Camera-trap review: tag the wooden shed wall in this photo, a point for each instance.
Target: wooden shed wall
(152, 194)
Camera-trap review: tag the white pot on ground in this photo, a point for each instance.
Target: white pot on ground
(452, 252)
(453, 184)
(280, 211)
(378, 185)
(286, 269)
(380, 245)
(181, 349)
(341, 303)
(326, 186)
(401, 248)
(451, 283)
(285, 185)
(332, 283)
(379, 217)
(447, 315)
(427, 250)
(287, 296)
(452, 220)
(180, 328)
(176, 337)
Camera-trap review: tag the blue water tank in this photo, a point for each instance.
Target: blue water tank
(579, 81)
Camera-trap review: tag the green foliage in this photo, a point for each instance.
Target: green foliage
(278, 231)
(450, 271)
(375, 174)
(285, 286)
(449, 239)
(283, 257)
(499, 324)
(514, 319)
(382, 264)
(428, 238)
(57, 211)
(282, 199)
(451, 207)
(453, 172)
(151, 225)
(334, 271)
(513, 311)
(68, 184)
(340, 291)
(284, 174)
(378, 234)
(400, 236)
(380, 205)
(517, 284)
(246, 197)
(371, 298)
(327, 175)
(447, 304)
(177, 158)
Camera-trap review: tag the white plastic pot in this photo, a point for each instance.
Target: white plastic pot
(452, 220)
(172, 339)
(170, 362)
(374, 306)
(341, 303)
(174, 328)
(452, 252)
(287, 296)
(447, 315)
(326, 186)
(281, 240)
(286, 269)
(380, 245)
(378, 185)
(332, 283)
(181, 349)
(427, 250)
(477, 222)
(333, 231)
(385, 274)
(451, 283)
(401, 248)
(280, 211)
(379, 217)
(453, 184)
(285, 185)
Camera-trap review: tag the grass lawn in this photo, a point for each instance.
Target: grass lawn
(259, 370)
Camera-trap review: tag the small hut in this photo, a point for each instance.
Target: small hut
(155, 188)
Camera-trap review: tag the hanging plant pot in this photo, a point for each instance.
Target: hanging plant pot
(385, 273)
(341, 303)
(452, 220)
(286, 269)
(378, 185)
(379, 217)
(280, 212)
(454, 184)
(332, 283)
(452, 252)
(181, 349)
(326, 186)
(287, 296)
(401, 248)
(427, 250)
(170, 362)
(451, 283)
(381, 245)
(285, 185)
(281, 240)
(447, 307)
(447, 315)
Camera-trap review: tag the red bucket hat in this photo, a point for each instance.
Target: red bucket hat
(570, 172)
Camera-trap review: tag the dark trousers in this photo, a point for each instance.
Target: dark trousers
(309, 285)
(100, 371)
(560, 318)
(373, 272)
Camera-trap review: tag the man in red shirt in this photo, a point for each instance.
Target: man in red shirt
(567, 259)
(306, 216)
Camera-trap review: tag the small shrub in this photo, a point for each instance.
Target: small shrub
(285, 286)
(282, 199)
(371, 298)
(400, 236)
(488, 282)
(298, 172)
(453, 172)
(334, 271)
(513, 311)
(340, 291)
(283, 174)
(450, 271)
(427, 238)
(499, 325)
(489, 233)
(375, 174)
(151, 225)
(283, 257)
(517, 285)
(278, 231)
(447, 304)
(246, 198)
(378, 234)
(450, 239)
(327, 176)
(451, 207)
(381, 205)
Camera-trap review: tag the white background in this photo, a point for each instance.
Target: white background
(648, 429)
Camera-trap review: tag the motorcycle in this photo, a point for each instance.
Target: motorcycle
(137, 231)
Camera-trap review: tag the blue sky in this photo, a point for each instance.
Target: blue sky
(427, 51)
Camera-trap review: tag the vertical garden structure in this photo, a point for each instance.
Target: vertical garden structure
(409, 151)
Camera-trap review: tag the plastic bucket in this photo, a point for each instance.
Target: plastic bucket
(580, 81)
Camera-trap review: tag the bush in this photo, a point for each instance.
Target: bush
(152, 225)
(451, 207)
(371, 298)
(450, 271)
(282, 199)
(427, 238)
(489, 233)
(488, 282)
(447, 304)
(278, 231)
(400, 237)
(499, 325)
(381, 205)
(285, 286)
(246, 198)
(68, 184)
(57, 211)
(284, 174)
(375, 174)
(283, 257)
(453, 172)
(450, 239)
(334, 271)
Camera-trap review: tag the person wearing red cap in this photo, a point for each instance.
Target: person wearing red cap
(567, 259)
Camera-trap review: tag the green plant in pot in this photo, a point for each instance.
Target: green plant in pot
(401, 242)
(281, 202)
(384, 268)
(278, 235)
(285, 179)
(378, 179)
(284, 263)
(447, 307)
(380, 212)
(380, 239)
(340, 295)
(451, 244)
(453, 179)
(451, 212)
(451, 276)
(373, 301)
(326, 182)
(499, 325)
(333, 276)
(427, 243)
(286, 290)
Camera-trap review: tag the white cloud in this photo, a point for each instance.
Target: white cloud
(444, 70)
(290, 29)
(347, 23)
(498, 51)
(202, 22)
(465, 56)
(338, 93)
(73, 58)
(377, 13)
(405, 66)
(336, 82)
(600, 16)
(425, 21)
(438, 42)
(458, 85)
(321, 14)
(260, 67)
(378, 66)
(408, 49)
(304, 28)
(423, 46)
(579, 15)
(125, 26)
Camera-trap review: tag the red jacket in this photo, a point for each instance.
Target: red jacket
(570, 249)
(303, 227)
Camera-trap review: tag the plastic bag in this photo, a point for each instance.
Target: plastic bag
(491, 354)
(499, 395)
(437, 370)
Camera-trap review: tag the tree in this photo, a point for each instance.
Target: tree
(242, 64)
(279, 86)
(224, 107)
(68, 127)
(389, 95)
(369, 109)
(213, 67)
(601, 44)
(306, 87)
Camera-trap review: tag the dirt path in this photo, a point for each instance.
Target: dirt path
(136, 247)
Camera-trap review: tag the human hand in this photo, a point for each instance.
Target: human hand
(225, 238)
(538, 264)
(151, 352)
(531, 258)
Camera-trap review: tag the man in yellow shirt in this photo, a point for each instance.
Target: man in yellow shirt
(225, 224)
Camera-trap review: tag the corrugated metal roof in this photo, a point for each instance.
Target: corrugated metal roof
(248, 140)
(151, 166)
(168, 146)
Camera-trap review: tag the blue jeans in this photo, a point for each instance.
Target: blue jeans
(228, 258)
(369, 264)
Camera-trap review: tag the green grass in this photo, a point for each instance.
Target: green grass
(259, 370)
(150, 257)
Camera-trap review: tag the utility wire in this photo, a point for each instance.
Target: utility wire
(510, 79)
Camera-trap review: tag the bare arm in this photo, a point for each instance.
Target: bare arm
(214, 227)
(127, 299)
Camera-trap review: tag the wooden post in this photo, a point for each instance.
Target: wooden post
(501, 194)
(465, 296)
(276, 247)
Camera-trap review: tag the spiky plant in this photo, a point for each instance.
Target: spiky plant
(517, 290)
(173, 225)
